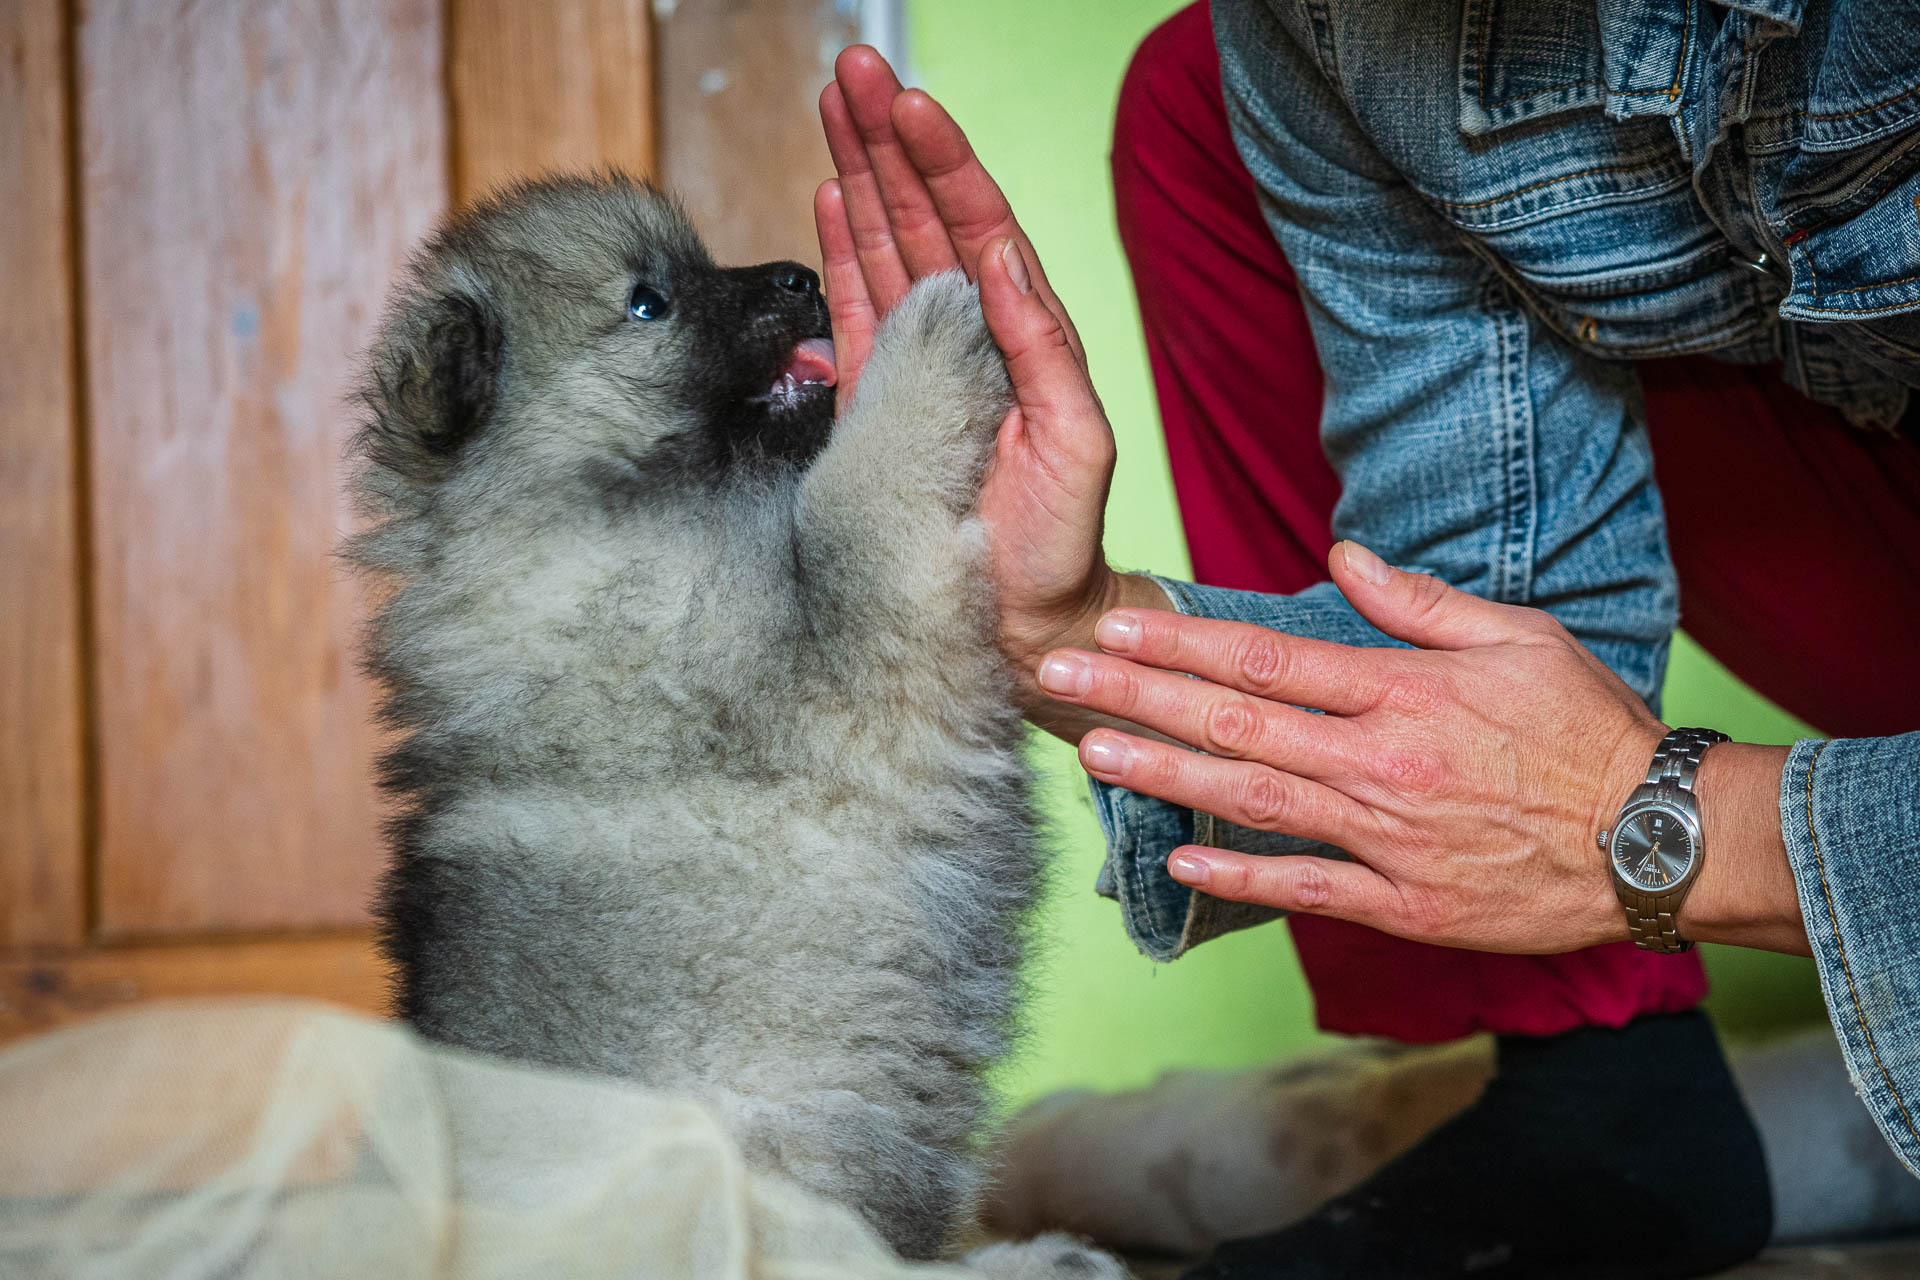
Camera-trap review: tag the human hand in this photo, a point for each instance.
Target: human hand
(1467, 777)
(912, 199)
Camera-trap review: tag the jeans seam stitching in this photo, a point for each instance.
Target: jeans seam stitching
(1509, 583)
(1548, 182)
(1858, 288)
(1521, 465)
(1859, 111)
(1320, 24)
(1846, 967)
(1861, 311)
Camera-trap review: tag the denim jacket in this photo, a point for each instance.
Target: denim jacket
(1491, 209)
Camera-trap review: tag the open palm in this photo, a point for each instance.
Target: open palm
(911, 200)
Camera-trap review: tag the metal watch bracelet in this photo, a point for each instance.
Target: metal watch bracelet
(1670, 777)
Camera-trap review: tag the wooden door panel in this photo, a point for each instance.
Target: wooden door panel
(566, 85)
(42, 796)
(251, 176)
(740, 139)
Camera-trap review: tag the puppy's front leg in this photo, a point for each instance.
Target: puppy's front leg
(885, 530)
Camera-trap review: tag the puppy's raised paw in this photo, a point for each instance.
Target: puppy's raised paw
(936, 344)
(1048, 1257)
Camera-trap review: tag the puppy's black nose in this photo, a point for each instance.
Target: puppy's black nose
(795, 278)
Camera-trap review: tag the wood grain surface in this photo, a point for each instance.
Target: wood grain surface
(251, 178)
(50, 988)
(550, 86)
(42, 794)
(740, 139)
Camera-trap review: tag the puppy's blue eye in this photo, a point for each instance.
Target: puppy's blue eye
(647, 303)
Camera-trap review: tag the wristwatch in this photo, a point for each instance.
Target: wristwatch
(1653, 847)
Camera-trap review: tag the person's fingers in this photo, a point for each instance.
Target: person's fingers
(1060, 414)
(1256, 660)
(1423, 610)
(971, 205)
(1220, 721)
(887, 279)
(1241, 791)
(868, 88)
(1318, 886)
(848, 305)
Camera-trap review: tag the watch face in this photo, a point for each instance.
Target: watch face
(1653, 850)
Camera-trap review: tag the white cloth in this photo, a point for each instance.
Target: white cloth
(291, 1140)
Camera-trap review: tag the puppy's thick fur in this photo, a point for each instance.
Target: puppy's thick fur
(709, 771)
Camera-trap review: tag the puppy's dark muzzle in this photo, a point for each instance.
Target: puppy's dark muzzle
(779, 299)
(763, 331)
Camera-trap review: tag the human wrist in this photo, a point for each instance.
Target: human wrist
(1745, 894)
(1624, 771)
(1074, 630)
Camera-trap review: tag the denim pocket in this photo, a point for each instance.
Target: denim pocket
(1595, 223)
(1591, 218)
(1862, 277)
(1525, 59)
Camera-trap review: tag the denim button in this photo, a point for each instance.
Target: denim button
(1762, 265)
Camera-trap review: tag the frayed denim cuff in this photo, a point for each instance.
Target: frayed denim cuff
(1850, 812)
(1165, 918)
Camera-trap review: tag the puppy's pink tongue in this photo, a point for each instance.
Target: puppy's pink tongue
(812, 361)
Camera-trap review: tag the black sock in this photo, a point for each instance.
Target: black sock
(1592, 1154)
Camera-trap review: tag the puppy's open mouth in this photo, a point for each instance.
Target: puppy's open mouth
(808, 371)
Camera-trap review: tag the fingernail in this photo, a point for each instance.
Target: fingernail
(1066, 673)
(1365, 564)
(1102, 754)
(1016, 267)
(1118, 631)
(1188, 869)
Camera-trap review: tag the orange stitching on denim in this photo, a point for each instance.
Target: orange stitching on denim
(1860, 111)
(1862, 288)
(1535, 186)
(1869, 311)
(1858, 288)
(1837, 115)
(1680, 67)
(1821, 863)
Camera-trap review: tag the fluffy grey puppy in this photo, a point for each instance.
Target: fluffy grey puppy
(709, 773)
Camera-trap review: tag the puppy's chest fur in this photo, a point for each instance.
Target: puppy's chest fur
(710, 839)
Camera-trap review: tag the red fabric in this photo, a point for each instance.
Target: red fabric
(1797, 540)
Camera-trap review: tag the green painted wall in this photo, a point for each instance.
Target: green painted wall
(1034, 85)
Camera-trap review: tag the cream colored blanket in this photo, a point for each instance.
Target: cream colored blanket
(291, 1140)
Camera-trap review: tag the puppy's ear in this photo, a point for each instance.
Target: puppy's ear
(432, 384)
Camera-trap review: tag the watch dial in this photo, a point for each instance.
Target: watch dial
(1653, 850)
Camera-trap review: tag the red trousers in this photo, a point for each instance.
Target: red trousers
(1797, 539)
